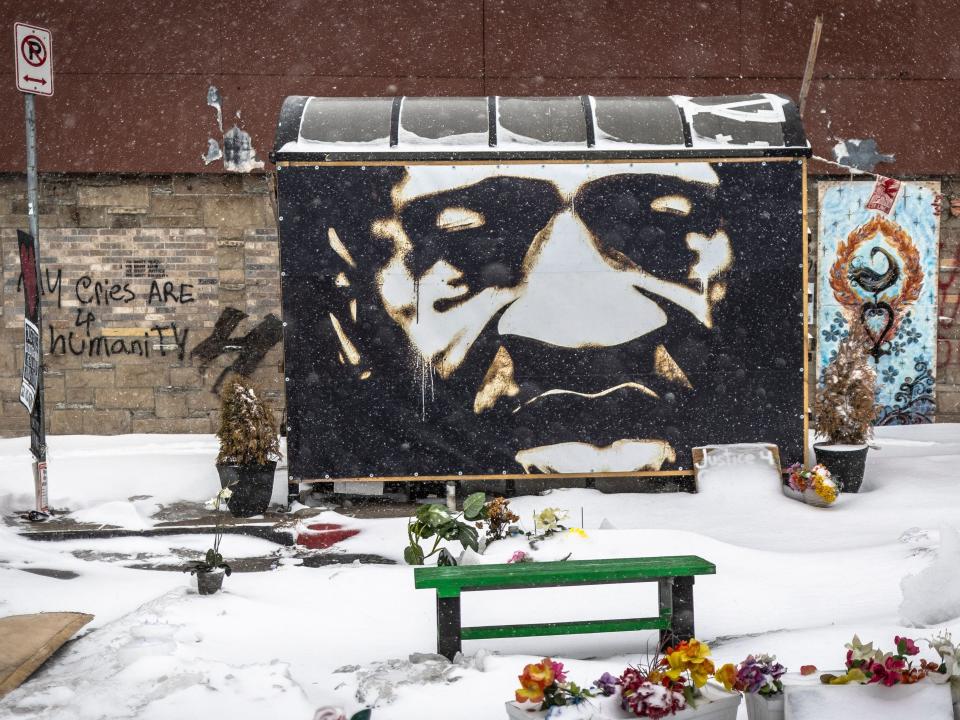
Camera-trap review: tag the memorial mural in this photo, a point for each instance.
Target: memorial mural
(539, 318)
(878, 267)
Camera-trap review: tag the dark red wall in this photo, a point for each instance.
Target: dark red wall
(131, 76)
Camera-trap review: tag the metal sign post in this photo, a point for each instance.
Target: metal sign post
(34, 52)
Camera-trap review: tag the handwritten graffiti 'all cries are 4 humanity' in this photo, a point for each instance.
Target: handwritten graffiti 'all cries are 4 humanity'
(92, 294)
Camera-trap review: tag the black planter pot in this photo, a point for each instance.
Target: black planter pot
(251, 485)
(846, 466)
(209, 583)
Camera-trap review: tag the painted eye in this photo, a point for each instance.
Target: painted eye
(673, 204)
(453, 219)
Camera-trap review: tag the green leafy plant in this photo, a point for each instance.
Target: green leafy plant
(213, 560)
(247, 432)
(437, 522)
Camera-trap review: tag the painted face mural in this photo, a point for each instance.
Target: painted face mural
(541, 318)
(565, 269)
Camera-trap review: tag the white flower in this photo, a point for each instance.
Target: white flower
(329, 713)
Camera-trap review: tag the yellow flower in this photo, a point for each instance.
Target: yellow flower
(727, 675)
(692, 657)
(825, 490)
(535, 679)
(695, 651)
(578, 531)
(549, 518)
(701, 673)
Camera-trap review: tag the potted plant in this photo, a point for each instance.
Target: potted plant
(249, 447)
(949, 669)
(675, 685)
(544, 690)
(212, 568)
(845, 407)
(758, 678)
(437, 522)
(814, 486)
(873, 684)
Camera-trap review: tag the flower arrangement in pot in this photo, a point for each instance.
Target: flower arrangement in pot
(948, 671)
(249, 447)
(211, 570)
(758, 678)
(845, 408)
(674, 685)
(814, 486)
(868, 666)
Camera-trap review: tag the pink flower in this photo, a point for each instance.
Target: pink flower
(558, 672)
(518, 557)
(906, 646)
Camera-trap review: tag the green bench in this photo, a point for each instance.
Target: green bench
(673, 574)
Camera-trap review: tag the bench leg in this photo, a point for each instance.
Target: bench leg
(665, 594)
(448, 626)
(683, 609)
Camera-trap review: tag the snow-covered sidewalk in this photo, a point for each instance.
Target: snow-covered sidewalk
(792, 580)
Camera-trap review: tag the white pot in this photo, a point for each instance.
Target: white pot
(762, 707)
(810, 497)
(806, 698)
(715, 704)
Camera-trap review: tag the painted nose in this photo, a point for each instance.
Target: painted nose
(573, 297)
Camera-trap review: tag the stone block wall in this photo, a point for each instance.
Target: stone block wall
(153, 282)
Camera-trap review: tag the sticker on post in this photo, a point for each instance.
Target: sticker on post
(884, 196)
(30, 379)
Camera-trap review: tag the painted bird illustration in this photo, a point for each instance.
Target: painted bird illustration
(869, 279)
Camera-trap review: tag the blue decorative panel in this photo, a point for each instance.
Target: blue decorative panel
(877, 266)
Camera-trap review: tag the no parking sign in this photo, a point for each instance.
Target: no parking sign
(34, 51)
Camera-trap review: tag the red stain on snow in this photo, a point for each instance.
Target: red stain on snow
(323, 535)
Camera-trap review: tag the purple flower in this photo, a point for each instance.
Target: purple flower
(760, 675)
(606, 684)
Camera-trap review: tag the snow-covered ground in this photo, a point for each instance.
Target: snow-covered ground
(792, 580)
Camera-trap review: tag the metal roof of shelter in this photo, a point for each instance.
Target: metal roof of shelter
(419, 128)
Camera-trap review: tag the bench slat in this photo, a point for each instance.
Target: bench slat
(485, 632)
(449, 581)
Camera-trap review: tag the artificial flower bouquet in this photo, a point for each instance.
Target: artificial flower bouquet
(948, 671)
(756, 675)
(815, 485)
(758, 678)
(869, 666)
(544, 685)
(672, 685)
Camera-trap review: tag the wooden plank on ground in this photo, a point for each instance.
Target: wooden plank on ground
(26, 641)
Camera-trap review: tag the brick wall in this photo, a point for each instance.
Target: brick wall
(138, 272)
(948, 295)
(142, 268)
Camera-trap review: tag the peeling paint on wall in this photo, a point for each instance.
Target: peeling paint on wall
(238, 153)
(213, 152)
(215, 101)
(860, 154)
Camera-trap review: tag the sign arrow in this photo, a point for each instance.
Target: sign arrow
(42, 81)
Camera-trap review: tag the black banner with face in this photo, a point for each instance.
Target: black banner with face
(539, 318)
